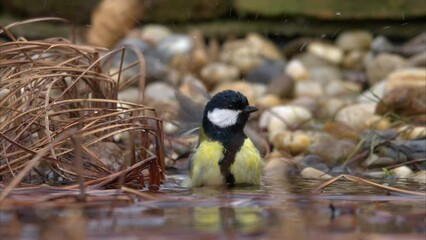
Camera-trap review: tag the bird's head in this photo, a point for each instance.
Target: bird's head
(227, 110)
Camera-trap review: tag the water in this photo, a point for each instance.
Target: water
(288, 210)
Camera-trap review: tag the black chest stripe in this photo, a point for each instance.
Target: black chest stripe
(231, 147)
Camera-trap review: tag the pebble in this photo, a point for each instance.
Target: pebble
(354, 60)
(309, 103)
(276, 169)
(402, 172)
(411, 132)
(165, 102)
(131, 94)
(413, 46)
(213, 49)
(356, 115)
(355, 76)
(166, 90)
(391, 151)
(154, 67)
(382, 65)
(326, 51)
(330, 149)
(294, 142)
(216, 73)
(354, 40)
(199, 56)
(280, 118)
(312, 161)
(381, 44)
(410, 77)
(340, 131)
(193, 88)
(109, 154)
(310, 60)
(337, 88)
(266, 72)
(319, 69)
(310, 172)
(266, 48)
(308, 89)
(267, 101)
(325, 74)
(328, 107)
(198, 59)
(153, 33)
(417, 61)
(406, 102)
(374, 161)
(378, 123)
(297, 71)
(340, 169)
(241, 54)
(173, 45)
(374, 94)
(4, 92)
(283, 86)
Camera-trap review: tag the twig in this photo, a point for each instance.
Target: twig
(361, 180)
(138, 193)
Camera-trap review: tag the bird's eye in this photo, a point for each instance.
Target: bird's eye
(230, 106)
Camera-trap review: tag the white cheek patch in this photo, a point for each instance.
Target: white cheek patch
(223, 117)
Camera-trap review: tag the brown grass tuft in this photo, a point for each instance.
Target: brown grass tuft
(59, 109)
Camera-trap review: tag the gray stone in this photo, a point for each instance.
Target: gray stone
(381, 66)
(413, 46)
(381, 44)
(417, 60)
(173, 45)
(266, 72)
(131, 94)
(312, 161)
(332, 150)
(159, 91)
(282, 86)
(154, 67)
(373, 161)
(216, 72)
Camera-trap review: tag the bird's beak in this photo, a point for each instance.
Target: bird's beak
(250, 109)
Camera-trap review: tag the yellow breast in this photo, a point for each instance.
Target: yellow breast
(205, 169)
(205, 164)
(247, 167)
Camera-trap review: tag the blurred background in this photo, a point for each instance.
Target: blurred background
(222, 18)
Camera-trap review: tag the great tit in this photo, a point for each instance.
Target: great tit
(225, 155)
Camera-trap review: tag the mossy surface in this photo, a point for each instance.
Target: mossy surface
(335, 9)
(76, 10)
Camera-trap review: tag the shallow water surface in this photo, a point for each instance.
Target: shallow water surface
(344, 210)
